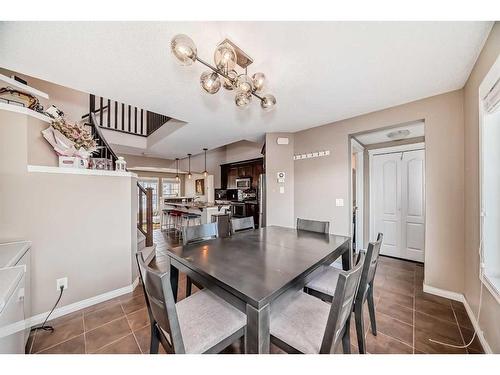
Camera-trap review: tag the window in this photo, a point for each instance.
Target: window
(170, 187)
(489, 123)
(152, 183)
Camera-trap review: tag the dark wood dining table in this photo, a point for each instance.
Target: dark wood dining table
(257, 270)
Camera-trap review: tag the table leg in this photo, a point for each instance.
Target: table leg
(347, 258)
(257, 337)
(174, 281)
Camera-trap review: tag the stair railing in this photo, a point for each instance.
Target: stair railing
(144, 194)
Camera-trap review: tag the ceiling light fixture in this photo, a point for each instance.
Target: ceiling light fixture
(398, 134)
(227, 56)
(189, 167)
(177, 178)
(205, 173)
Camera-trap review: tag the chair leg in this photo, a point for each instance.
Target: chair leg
(155, 342)
(360, 327)
(189, 286)
(371, 310)
(346, 337)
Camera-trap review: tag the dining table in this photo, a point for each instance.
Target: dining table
(258, 271)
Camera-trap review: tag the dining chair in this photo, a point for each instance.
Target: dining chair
(323, 286)
(309, 325)
(145, 256)
(242, 224)
(201, 323)
(313, 225)
(197, 233)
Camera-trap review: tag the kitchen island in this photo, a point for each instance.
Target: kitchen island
(204, 209)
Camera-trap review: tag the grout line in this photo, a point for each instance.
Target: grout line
(84, 336)
(460, 330)
(111, 343)
(133, 334)
(59, 343)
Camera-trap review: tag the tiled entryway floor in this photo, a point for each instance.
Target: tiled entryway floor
(406, 319)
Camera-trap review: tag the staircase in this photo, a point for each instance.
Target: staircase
(124, 118)
(144, 195)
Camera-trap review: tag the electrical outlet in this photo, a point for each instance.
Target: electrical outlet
(62, 282)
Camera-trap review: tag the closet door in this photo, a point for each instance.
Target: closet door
(386, 202)
(413, 204)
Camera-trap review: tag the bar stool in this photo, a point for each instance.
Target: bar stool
(166, 222)
(189, 217)
(176, 221)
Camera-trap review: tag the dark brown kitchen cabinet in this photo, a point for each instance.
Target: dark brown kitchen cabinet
(232, 175)
(248, 168)
(245, 171)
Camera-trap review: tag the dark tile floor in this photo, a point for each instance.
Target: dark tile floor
(406, 319)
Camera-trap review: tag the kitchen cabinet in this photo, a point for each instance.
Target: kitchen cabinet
(232, 175)
(249, 168)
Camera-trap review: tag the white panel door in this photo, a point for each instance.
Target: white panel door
(398, 203)
(386, 202)
(413, 205)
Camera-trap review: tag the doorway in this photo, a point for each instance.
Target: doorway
(388, 189)
(357, 192)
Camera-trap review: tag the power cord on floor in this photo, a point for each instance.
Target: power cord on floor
(478, 309)
(43, 326)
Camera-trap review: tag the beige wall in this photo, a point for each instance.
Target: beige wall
(319, 181)
(80, 225)
(73, 103)
(143, 161)
(279, 158)
(490, 313)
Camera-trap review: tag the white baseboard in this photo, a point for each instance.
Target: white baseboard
(68, 309)
(444, 293)
(461, 298)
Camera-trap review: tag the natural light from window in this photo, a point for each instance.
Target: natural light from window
(489, 113)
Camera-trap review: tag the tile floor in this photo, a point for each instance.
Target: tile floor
(406, 319)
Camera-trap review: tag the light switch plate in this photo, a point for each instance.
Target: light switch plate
(282, 190)
(339, 202)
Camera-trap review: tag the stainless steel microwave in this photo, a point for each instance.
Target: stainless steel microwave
(243, 183)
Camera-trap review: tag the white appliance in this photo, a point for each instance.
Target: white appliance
(12, 334)
(18, 254)
(397, 202)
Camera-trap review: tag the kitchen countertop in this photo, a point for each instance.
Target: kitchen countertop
(200, 205)
(11, 252)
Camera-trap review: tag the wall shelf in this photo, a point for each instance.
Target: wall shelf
(21, 86)
(25, 111)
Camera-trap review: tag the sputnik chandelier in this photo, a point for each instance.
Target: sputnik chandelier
(227, 56)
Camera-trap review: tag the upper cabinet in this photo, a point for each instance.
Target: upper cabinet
(249, 168)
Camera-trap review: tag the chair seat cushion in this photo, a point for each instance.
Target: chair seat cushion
(326, 281)
(302, 323)
(206, 319)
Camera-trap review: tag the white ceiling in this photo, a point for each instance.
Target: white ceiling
(320, 72)
(416, 129)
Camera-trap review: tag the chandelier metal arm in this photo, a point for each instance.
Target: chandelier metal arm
(208, 65)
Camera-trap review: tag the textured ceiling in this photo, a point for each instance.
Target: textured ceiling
(320, 72)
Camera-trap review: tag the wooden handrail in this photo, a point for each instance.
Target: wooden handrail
(148, 232)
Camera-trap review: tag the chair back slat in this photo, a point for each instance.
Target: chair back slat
(197, 233)
(241, 224)
(341, 307)
(313, 225)
(161, 300)
(372, 266)
(141, 256)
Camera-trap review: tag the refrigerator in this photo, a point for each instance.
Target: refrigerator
(261, 195)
